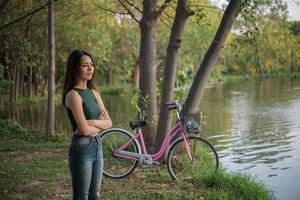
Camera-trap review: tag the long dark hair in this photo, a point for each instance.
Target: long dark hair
(72, 71)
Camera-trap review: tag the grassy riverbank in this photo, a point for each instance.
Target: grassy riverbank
(35, 167)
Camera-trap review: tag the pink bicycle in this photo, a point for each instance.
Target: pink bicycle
(188, 154)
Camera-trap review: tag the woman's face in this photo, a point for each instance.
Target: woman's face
(86, 70)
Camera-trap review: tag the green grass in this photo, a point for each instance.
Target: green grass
(15, 137)
(229, 186)
(35, 167)
(31, 163)
(176, 195)
(34, 177)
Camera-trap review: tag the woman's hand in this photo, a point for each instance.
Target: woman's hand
(101, 124)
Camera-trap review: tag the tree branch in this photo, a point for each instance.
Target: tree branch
(204, 6)
(117, 12)
(129, 11)
(109, 10)
(168, 15)
(163, 21)
(135, 7)
(25, 16)
(162, 7)
(17, 5)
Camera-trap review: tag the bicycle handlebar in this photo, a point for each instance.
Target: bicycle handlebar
(172, 108)
(174, 105)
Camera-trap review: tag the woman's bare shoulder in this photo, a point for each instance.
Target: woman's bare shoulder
(72, 96)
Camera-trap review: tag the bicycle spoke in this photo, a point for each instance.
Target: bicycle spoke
(182, 168)
(115, 166)
(194, 150)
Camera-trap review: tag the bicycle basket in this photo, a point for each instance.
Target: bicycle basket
(192, 122)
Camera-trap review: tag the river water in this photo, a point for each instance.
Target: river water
(254, 125)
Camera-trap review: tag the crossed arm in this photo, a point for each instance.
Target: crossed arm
(104, 121)
(87, 127)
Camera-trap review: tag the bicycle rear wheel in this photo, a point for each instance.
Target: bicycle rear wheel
(204, 159)
(113, 166)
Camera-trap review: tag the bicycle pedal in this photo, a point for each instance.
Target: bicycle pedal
(146, 165)
(156, 163)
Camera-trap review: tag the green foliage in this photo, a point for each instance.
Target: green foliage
(182, 78)
(264, 45)
(115, 89)
(295, 27)
(112, 40)
(15, 132)
(228, 186)
(5, 84)
(1, 68)
(32, 100)
(136, 100)
(182, 82)
(200, 15)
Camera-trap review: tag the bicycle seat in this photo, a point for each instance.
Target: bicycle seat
(137, 123)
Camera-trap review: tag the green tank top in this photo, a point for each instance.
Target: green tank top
(89, 104)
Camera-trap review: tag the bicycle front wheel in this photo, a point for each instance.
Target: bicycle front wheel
(114, 166)
(204, 159)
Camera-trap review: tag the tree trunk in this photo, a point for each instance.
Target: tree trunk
(109, 78)
(211, 57)
(7, 65)
(44, 85)
(148, 104)
(136, 75)
(36, 81)
(110, 75)
(51, 71)
(21, 81)
(15, 86)
(164, 122)
(30, 80)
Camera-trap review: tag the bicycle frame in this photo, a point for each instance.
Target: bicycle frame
(138, 135)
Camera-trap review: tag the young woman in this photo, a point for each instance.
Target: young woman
(88, 117)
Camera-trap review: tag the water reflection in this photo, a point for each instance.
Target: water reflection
(255, 126)
(33, 116)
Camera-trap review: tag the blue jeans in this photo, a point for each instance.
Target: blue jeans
(86, 166)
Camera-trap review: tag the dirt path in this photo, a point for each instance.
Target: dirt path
(142, 183)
